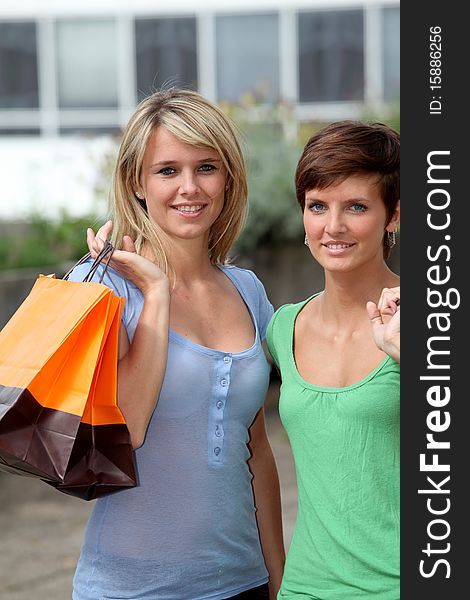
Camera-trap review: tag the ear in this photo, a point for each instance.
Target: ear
(395, 220)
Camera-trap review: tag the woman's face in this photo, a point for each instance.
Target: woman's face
(345, 223)
(183, 186)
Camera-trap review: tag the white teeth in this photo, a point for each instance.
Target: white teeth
(189, 209)
(338, 246)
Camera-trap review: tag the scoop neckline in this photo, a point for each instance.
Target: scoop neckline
(326, 388)
(182, 340)
(188, 343)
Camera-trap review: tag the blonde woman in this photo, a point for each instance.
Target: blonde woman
(204, 522)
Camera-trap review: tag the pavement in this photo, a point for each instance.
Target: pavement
(41, 529)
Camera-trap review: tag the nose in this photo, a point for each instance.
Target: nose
(335, 223)
(188, 183)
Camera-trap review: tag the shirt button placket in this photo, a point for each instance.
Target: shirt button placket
(216, 423)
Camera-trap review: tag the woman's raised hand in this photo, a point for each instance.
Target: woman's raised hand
(385, 321)
(140, 270)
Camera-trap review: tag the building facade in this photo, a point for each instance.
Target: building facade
(69, 68)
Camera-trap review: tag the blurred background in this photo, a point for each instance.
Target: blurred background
(71, 74)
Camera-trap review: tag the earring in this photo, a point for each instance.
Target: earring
(139, 195)
(306, 240)
(391, 239)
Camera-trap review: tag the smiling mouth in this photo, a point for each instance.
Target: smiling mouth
(188, 209)
(337, 246)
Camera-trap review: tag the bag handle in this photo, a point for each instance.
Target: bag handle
(105, 253)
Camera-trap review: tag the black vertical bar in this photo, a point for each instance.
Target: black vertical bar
(434, 259)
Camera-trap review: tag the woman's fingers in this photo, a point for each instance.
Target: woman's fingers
(377, 323)
(145, 274)
(91, 242)
(385, 331)
(387, 295)
(96, 242)
(389, 302)
(128, 244)
(104, 231)
(90, 237)
(374, 313)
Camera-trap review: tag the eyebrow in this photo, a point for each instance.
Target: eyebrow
(354, 199)
(163, 163)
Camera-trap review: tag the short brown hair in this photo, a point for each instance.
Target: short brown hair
(346, 148)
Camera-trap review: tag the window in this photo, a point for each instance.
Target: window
(33, 131)
(247, 57)
(331, 56)
(91, 131)
(166, 52)
(18, 66)
(391, 52)
(87, 64)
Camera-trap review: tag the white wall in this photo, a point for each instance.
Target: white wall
(45, 175)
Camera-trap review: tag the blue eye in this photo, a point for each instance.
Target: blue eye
(166, 171)
(207, 168)
(316, 207)
(357, 207)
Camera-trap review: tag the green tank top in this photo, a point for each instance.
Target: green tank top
(346, 447)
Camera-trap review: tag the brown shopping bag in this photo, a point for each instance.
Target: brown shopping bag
(59, 420)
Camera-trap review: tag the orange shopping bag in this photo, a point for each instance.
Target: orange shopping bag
(59, 419)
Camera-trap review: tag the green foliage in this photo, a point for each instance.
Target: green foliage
(273, 143)
(274, 215)
(40, 242)
(391, 116)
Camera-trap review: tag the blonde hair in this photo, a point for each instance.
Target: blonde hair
(193, 120)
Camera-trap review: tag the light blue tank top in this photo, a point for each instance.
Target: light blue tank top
(188, 531)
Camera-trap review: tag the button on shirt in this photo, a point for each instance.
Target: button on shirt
(188, 531)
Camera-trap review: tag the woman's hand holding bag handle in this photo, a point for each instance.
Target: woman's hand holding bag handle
(59, 418)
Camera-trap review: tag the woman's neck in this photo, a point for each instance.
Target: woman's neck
(190, 261)
(346, 294)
